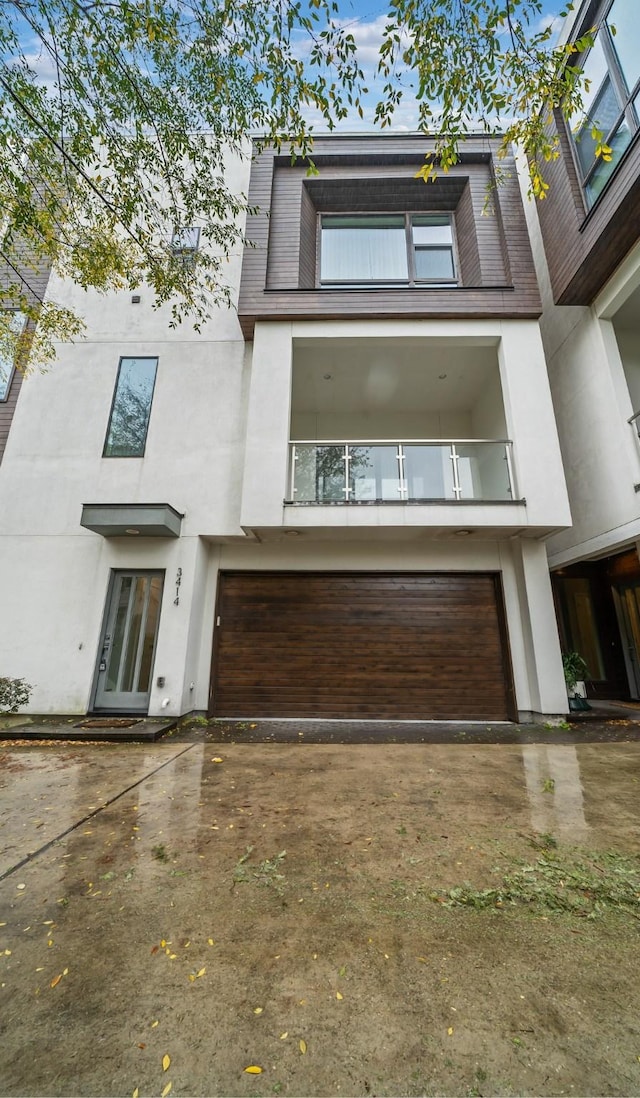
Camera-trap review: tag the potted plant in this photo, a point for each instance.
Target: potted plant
(575, 672)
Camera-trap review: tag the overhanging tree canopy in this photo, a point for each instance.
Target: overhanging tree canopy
(116, 117)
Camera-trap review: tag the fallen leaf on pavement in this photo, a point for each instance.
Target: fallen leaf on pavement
(166, 1090)
(253, 1069)
(303, 1047)
(166, 1060)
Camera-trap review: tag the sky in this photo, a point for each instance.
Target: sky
(366, 19)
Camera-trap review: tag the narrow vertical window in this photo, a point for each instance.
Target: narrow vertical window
(131, 408)
(7, 361)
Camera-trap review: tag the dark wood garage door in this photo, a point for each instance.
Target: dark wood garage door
(353, 645)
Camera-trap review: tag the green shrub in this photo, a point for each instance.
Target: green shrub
(13, 694)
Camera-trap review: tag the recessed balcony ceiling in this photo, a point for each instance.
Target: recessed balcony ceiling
(373, 375)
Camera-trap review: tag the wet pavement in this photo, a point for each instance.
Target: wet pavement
(248, 905)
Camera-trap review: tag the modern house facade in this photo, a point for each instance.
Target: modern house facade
(586, 240)
(332, 502)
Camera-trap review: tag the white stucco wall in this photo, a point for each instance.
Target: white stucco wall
(592, 403)
(54, 606)
(217, 451)
(528, 419)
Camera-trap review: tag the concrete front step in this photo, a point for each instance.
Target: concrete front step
(94, 729)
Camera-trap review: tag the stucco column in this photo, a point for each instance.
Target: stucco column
(547, 689)
(264, 484)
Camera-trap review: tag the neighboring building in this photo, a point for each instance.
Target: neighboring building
(33, 278)
(590, 227)
(332, 504)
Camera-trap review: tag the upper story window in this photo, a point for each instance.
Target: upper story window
(406, 249)
(131, 408)
(7, 364)
(612, 101)
(185, 241)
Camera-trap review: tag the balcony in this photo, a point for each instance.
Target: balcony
(413, 471)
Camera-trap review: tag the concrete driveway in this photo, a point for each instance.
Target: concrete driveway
(174, 914)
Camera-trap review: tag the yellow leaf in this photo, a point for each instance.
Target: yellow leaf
(154, 1024)
(423, 960)
(201, 972)
(166, 1060)
(166, 1090)
(56, 980)
(450, 1031)
(253, 1069)
(258, 1010)
(217, 759)
(283, 1037)
(210, 941)
(303, 1047)
(135, 1093)
(163, 943)
(339, 996)
(65, 971)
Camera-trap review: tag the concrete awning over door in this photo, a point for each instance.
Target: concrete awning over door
(121, 520)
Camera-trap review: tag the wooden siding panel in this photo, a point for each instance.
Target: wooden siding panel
(396, 646)
(467, 240)
(7, 409)
(37, 281)
(367, 173)
(308, 221)
(584, 248)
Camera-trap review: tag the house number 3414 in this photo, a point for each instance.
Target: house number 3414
(176, 601)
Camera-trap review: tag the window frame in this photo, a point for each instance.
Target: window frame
(628, 112)
(412, 281)
(12, 368)
(127, 358)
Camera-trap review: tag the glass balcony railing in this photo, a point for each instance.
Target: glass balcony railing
(388, 472)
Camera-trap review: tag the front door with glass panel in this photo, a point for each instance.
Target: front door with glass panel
(128, 642)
